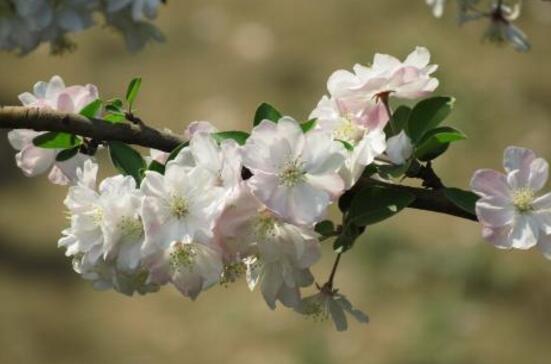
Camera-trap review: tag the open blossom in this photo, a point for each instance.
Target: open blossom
(509, 209)
(328, 303)
(437, 7)
(294, 174)
(222, 161)
(399, 148)
(106, 232)
(178, 211)
(388, 76)
(277, 254)
(357, 123)
(53, 95)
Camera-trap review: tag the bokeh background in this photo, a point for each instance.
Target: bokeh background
(435, 292)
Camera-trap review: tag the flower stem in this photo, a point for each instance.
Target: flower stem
(333, 271)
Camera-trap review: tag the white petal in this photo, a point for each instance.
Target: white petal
(525, 232)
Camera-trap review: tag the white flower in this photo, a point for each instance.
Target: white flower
(437, 7)
(192, 264)
(52, 95)
(197, 127)
(277, 254)
(357, 122)
(511, 213)
(294, 174)
(399, 148)
(178, 204)
(106, 232)
(329, 303)
(222, 161)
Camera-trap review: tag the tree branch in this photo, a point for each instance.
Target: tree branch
(17, 117)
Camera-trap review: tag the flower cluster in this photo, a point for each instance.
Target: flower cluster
(25, 24)
(219, 210)
(509, 209)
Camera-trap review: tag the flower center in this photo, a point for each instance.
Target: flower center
(523, 198)
(291, 173)
(232, 272)
(316, 311)
(181, 257)
(348, 131)
(97, 216)
(131, 227)
(264, 226)
(179, 206)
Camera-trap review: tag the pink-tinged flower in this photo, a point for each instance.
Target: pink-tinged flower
(328, 303)
(192, 264)
(222, 161)
(387, 75)
(294, 174)
(198, 127)
(509, 209)
(33, 160)
(277, 254)
(357, 122)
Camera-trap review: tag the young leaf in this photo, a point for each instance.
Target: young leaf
(374, 204)
(54, 140)
(465, 200)
(436, 141)
(67, 154)
(114, 118)
(132, 91)
(325, 228)
(308, 125)
(116, 103)
(239, 136)
(427, 115)
(346, 145)
(266, 112)
(92, 109)
(127, 160)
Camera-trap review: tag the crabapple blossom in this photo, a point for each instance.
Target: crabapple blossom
(328, 303)
(399, 148)
(294, 174)
(349, 120)
(192, 264)
(106, 232)
(53, 95)
(277, 254)
(509, 209)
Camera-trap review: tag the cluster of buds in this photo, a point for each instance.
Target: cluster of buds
(25, 24)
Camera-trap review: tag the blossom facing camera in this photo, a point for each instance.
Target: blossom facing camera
(33, 160)
(509, 209)
(294, 174)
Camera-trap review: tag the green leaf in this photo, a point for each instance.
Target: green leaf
(436, 141)
(428, 114)
(127, 160)
(398, 121)
(157, 167)
(132, 91)
(54, 140)
(67, 154)
(239, 136)
(115, 102)
(325, 228)
(465, 200)
(114, 118)
(266, 112)
(114, 109)
(308, 125)
(92, 109)
(347, 237)
(375, 204)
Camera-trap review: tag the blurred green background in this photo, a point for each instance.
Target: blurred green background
(435, 292)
